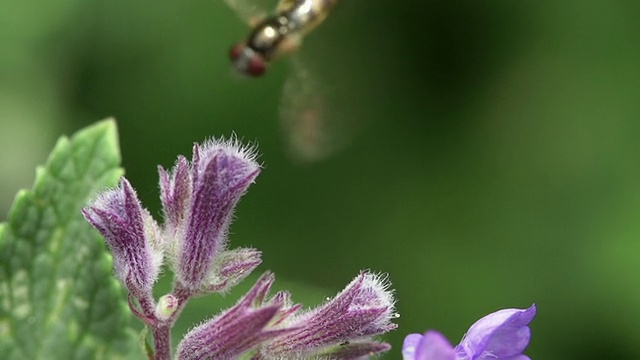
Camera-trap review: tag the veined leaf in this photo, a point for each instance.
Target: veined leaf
(58, 297)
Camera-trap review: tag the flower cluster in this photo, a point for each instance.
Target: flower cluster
(198, 199)
(502, 335)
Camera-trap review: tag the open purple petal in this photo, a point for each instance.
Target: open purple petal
(503, 334)
(430, 346)
(410, 345)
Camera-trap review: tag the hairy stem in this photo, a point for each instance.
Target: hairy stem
(162, 341)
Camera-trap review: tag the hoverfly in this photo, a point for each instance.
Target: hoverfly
(277, 34)
(311, 130)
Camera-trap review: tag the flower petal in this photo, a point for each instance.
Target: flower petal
(410, 345)
(503, 334)
(430, 346)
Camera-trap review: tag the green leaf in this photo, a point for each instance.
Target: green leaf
(58, 297)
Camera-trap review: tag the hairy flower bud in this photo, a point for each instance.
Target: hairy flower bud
(130, 233)
(343, 327)
(198, 202)
(238, 330)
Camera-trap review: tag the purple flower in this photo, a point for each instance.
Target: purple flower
(342, 328)
(198, 202)
(238, 330)
(502, 335)
(130, 233)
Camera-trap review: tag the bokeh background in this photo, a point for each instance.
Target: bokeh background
(497, 161)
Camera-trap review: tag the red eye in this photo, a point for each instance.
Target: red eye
(256, 66)
(236, 52)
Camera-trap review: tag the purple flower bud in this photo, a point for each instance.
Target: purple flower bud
(198, 203)
(343, 327)
(175, 193)
(233, 266)
(240, 329)
(130, 233)
(502, 335)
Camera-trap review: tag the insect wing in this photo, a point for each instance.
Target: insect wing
(315, 121)
(251, 11)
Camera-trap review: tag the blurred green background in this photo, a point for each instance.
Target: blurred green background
(497, 165)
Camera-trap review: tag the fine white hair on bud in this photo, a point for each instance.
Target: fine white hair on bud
(233, 147)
